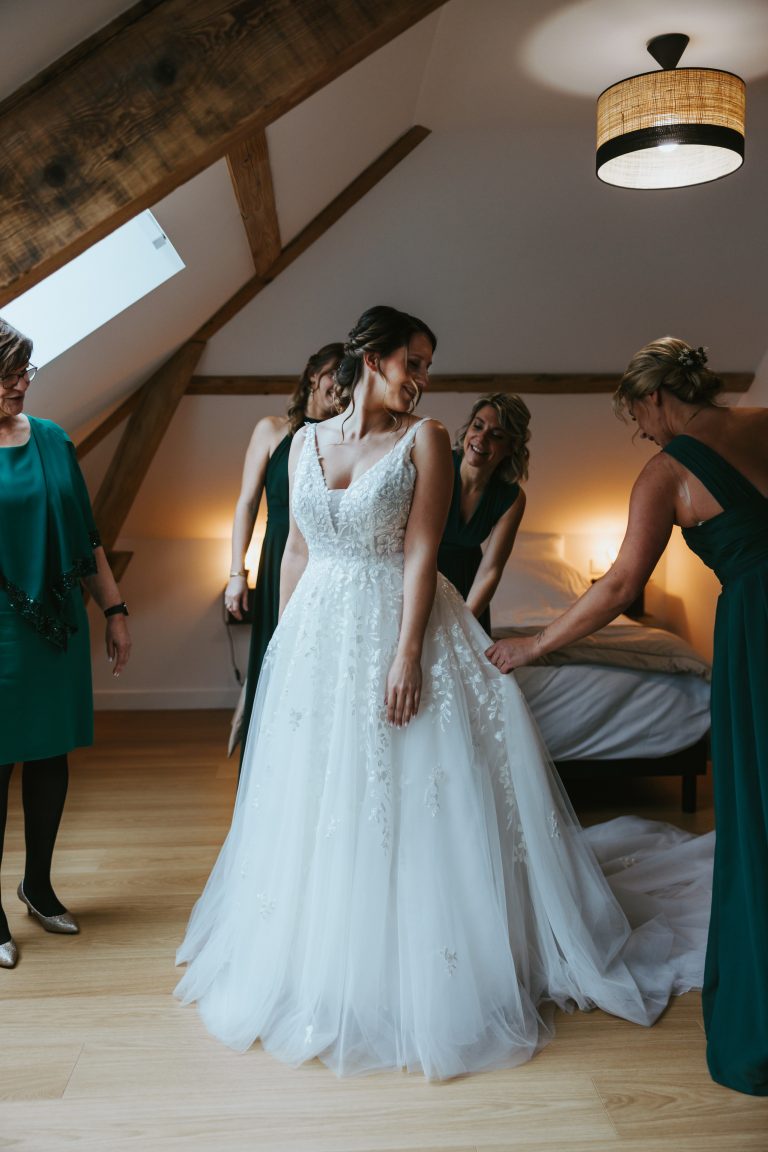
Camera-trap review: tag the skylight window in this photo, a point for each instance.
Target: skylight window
(94, 287)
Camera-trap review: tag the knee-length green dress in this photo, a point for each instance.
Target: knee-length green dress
(734, 544)
(47, 536)
(460, 554)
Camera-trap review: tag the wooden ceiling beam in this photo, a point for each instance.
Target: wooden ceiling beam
(107, 425)
(157, 401)
(251, 176)
(527, 383)
(152, 406)
(151, 101)
(324, 220)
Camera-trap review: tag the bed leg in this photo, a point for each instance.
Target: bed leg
(689, 793)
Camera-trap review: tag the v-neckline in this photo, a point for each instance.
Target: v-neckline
(457, 490)
(362, 475)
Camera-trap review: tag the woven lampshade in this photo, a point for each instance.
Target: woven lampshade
(671, 128)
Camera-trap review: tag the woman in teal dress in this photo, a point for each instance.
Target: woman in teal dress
(490, 458)
(266, 473)
(711, 478)
(48, 544)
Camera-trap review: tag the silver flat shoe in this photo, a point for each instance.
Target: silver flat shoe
(64, 923)
(9, 954)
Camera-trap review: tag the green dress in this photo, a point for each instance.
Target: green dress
(459, 555)
(266, 599)
(47, 537)
(734, 544)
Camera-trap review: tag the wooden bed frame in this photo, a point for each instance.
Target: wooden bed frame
(687, 763)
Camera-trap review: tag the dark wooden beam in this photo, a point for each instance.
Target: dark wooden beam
(324, 220)
(251, 177)
(529, 383)
(154, 99)
(107, 425)
(158, 399)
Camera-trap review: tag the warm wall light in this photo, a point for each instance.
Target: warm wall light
(601, 560)
(672, 128)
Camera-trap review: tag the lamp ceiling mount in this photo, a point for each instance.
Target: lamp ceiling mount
(667, 50)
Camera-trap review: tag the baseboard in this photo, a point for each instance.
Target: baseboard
(139, 699)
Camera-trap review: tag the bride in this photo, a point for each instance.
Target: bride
(405, 883)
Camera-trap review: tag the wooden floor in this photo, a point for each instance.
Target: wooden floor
(96, 1054)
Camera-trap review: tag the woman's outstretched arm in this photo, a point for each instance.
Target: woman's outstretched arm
(651, 519)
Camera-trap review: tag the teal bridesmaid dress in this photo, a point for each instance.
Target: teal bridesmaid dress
(45, 668)
(266, 597)
(460, 553)
(734, 544)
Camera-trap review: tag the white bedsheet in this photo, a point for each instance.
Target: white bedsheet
(591, 713)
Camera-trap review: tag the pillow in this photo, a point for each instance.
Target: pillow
(535, 590)
(544, 545)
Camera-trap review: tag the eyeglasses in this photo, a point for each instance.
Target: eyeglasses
(12, 379)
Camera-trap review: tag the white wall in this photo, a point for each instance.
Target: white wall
(181, 656)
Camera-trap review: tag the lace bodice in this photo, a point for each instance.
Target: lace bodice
(371, 513)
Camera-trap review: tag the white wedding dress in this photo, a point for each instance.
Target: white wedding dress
(418, 897)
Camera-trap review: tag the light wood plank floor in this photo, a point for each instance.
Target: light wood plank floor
(96, 1054)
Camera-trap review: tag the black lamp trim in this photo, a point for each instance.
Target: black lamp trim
(712, 134)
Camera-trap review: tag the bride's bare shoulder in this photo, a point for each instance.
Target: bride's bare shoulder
(429, 430)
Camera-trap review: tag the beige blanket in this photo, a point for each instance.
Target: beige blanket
(624, 646)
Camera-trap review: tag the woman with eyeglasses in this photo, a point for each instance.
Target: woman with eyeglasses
(48, 544)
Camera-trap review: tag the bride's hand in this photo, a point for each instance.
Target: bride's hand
(403, 690)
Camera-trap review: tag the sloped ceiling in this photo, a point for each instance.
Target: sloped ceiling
(495, 229)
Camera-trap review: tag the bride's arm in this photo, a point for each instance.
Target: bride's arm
(295, 554)
(431, 455)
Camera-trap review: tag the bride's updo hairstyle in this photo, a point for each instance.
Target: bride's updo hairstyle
(514, 418)
(670, 364)
(380, 330)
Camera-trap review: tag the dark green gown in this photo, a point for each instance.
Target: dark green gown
(734, 544)
(45, 686)
(266, 597)
(459, 555)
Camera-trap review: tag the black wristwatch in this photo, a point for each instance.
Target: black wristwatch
(117, 610)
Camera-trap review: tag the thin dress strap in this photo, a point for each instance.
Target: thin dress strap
(408, 437)
(718, 476)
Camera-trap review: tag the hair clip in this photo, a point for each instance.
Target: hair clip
(693, 357)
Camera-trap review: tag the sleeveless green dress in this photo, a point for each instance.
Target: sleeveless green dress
(45, 658)
(734, 544)
(266, 594)
(459, 555)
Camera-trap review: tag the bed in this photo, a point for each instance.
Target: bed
(633, 700)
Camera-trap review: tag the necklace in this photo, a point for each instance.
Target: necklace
(692, 417)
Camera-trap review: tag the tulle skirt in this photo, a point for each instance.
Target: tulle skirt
(422, 897)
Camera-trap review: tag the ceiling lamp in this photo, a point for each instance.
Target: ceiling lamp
(671, 128)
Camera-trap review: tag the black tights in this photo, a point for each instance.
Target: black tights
(43, 792)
